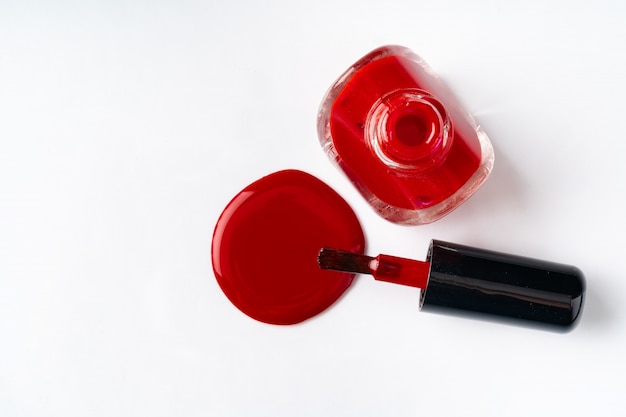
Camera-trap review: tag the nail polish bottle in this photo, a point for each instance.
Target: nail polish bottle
(402, 138)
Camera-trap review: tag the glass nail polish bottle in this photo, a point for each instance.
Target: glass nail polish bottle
(402, 138)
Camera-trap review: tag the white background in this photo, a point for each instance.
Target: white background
(127, 126)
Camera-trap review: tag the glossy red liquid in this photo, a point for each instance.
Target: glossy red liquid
(266, 242)
(348, 118)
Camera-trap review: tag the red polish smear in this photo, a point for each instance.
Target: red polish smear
(266, 242)
(377, 77)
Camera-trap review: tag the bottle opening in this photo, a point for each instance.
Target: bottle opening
(409, 130)
(416, 128)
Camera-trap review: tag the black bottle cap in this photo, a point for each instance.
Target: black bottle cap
(495, 285)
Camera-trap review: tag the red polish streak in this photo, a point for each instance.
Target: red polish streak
(401, 271)
(348, 118)
(266, 242)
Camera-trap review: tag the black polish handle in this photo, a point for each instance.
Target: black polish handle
(493, 285)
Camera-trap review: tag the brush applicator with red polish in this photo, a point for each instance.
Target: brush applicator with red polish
(382, 267)
(462, 280)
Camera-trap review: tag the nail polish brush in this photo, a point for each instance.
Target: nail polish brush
(462, 280)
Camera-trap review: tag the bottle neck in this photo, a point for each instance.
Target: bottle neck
(409, 130)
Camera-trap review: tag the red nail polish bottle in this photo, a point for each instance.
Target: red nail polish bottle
(402, 138)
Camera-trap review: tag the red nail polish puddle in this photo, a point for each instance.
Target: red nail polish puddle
(266, 242)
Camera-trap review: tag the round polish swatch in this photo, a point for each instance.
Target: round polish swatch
(266, 241)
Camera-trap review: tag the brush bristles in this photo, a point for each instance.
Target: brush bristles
(338, 260)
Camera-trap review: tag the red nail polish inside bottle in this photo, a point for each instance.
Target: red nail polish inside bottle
(402, 138)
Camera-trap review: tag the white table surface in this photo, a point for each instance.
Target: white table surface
(127, 126)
